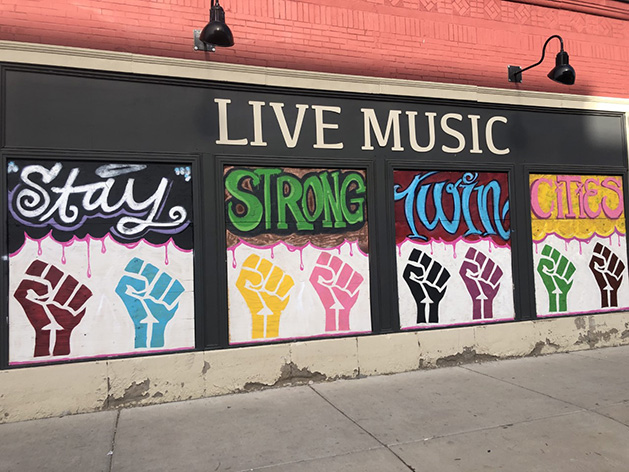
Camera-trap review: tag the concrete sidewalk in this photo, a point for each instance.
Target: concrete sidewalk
(564, 412)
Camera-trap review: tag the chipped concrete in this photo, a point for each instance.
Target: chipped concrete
(467, 356)
(175, 377)
(40, 392)
(290, 375)
(540, 348)
(328, 357)
(232, 369)
(594, 337)
(133, 394)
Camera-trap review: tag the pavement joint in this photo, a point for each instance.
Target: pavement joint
(611, 417)
(113, 441)
(580, 408)
(306, 461)
(523, 387)
(386, 446)
(489, 428)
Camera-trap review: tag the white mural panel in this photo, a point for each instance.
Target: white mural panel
(99, 265)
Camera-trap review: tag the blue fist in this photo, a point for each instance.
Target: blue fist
(151, 298)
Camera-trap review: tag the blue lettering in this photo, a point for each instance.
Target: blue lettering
(487, 213)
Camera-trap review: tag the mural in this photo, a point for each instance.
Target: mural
(100, 259)
(297, 253)
(453, 248)
(580, 254)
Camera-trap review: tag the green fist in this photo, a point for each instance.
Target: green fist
(557, 273)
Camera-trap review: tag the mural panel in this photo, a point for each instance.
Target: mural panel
(580, 249)
(453, 248)
(297, 253)
(100, 259)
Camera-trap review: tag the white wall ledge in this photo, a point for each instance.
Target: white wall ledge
(112, 61)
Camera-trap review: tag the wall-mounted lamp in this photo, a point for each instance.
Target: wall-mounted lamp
(215, 33)
(562, 72)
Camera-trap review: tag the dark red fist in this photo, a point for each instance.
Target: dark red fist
(54, 303)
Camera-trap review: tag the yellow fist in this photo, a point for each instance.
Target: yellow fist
(265, 288)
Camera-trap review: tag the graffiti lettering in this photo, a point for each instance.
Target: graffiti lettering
(464, 207)
(36, 202)
(576, 197)
(271, 200)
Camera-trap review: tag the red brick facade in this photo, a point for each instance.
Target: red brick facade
(452, 41)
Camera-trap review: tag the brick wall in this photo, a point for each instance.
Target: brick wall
(454, 41)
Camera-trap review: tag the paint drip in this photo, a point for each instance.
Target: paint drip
(89, 258)
(234, 264)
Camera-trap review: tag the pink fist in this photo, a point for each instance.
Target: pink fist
(338, 286)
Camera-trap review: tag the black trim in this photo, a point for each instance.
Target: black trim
(294, 91)
(210, 255)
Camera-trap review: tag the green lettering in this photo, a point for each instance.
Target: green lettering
(312, 184)
(332, 206)
(266, 175)
(358, 215)
(290, 201)
(251, 217)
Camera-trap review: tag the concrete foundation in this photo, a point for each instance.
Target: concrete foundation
(57, 390)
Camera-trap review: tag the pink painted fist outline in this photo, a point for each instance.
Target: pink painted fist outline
(481, 276)
(337, 285)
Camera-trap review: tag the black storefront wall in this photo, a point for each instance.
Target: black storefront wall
(268, 201)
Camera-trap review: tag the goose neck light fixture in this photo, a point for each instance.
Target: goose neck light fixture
(562, 72)
(215, 33)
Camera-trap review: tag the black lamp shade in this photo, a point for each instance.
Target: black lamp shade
(563, 71)
(216, 32)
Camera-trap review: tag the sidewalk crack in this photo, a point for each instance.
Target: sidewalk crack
(113, 442)
(411, 468)
(567, 402)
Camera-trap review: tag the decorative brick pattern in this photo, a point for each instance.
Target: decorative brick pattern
(454, 41)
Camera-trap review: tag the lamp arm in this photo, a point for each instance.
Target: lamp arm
(543, 54)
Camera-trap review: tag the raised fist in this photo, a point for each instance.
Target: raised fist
(557, 273)
(337, 285)
(427, 280)
(265, 288)
(482, 277)
(151, 298)
(608, 271)
(54, 303)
